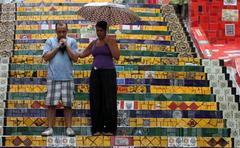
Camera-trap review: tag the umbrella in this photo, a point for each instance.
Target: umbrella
(113, 14)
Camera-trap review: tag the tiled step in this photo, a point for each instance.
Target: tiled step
(122, 74)
(35, 4)
(123, 105)
(39, 3)
(135, 29)
(119, 141)
(123, 89)
(159, 32)
(77, 81)
(123, 46)
(130, 122)
(70, 17)
(122, 60)
(121, 41)
(36, 22)
(127, 96)
(122, 52)
(120, 37)
(165, 68)
(122, 113)
(73, 12)
(126, 131)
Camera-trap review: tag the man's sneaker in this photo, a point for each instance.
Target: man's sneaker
(47, 132)
(70, 132)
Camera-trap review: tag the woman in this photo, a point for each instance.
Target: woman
(103, 86)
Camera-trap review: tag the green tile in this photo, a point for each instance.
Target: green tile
(139, 97)
(158, 131)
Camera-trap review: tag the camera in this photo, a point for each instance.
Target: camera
(62, 48)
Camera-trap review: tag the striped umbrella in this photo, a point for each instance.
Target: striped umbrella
(113, 14)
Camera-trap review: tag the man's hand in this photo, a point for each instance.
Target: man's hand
(62, 42)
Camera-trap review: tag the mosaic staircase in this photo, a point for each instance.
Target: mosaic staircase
(166, 96)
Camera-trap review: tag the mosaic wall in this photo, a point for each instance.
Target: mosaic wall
(166, 96)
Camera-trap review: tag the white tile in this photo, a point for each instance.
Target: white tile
(217, 70)
(227, 114)
(3, 96)
(230, 98)
(223, 105)
(3, 81)
(3, 74)
(212, 77)
(5, 60)
(3, 88)
(189, 142)
(223, 83)
(220, 98)
(128, 105)
(182, 141)
(221, 77)
(215, 62)
(236, 115)
(121, 141)
(1, 112)
(231, 123)
(208, 69)
(61, 141)
(234, 132)
(233, 106)
(227, 91)
(218, 91)
(150, 74)
(175, 141)
(1, 130)
(237, 142)
(206, 62)
(136, 27)
(213, 83)
(1, 121)
(4, 67)
(2, 104)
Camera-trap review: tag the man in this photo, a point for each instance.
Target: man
(60, 51)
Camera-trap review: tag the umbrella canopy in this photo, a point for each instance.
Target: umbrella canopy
(113, 14)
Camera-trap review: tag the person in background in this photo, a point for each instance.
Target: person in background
(181, 8)
(103, 85)
(60, 52)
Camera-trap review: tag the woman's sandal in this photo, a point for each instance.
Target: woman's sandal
(108, 134)
(97, 134)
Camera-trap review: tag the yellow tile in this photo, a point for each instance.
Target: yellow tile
(79, 141)
(107, 141)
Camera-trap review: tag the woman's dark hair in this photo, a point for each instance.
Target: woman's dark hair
(102, 24)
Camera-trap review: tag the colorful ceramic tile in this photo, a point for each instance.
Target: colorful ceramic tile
(61, 141)
(230, 15)
(230, 2)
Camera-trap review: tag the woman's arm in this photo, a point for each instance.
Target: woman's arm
(112, 44)
(86, 52)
